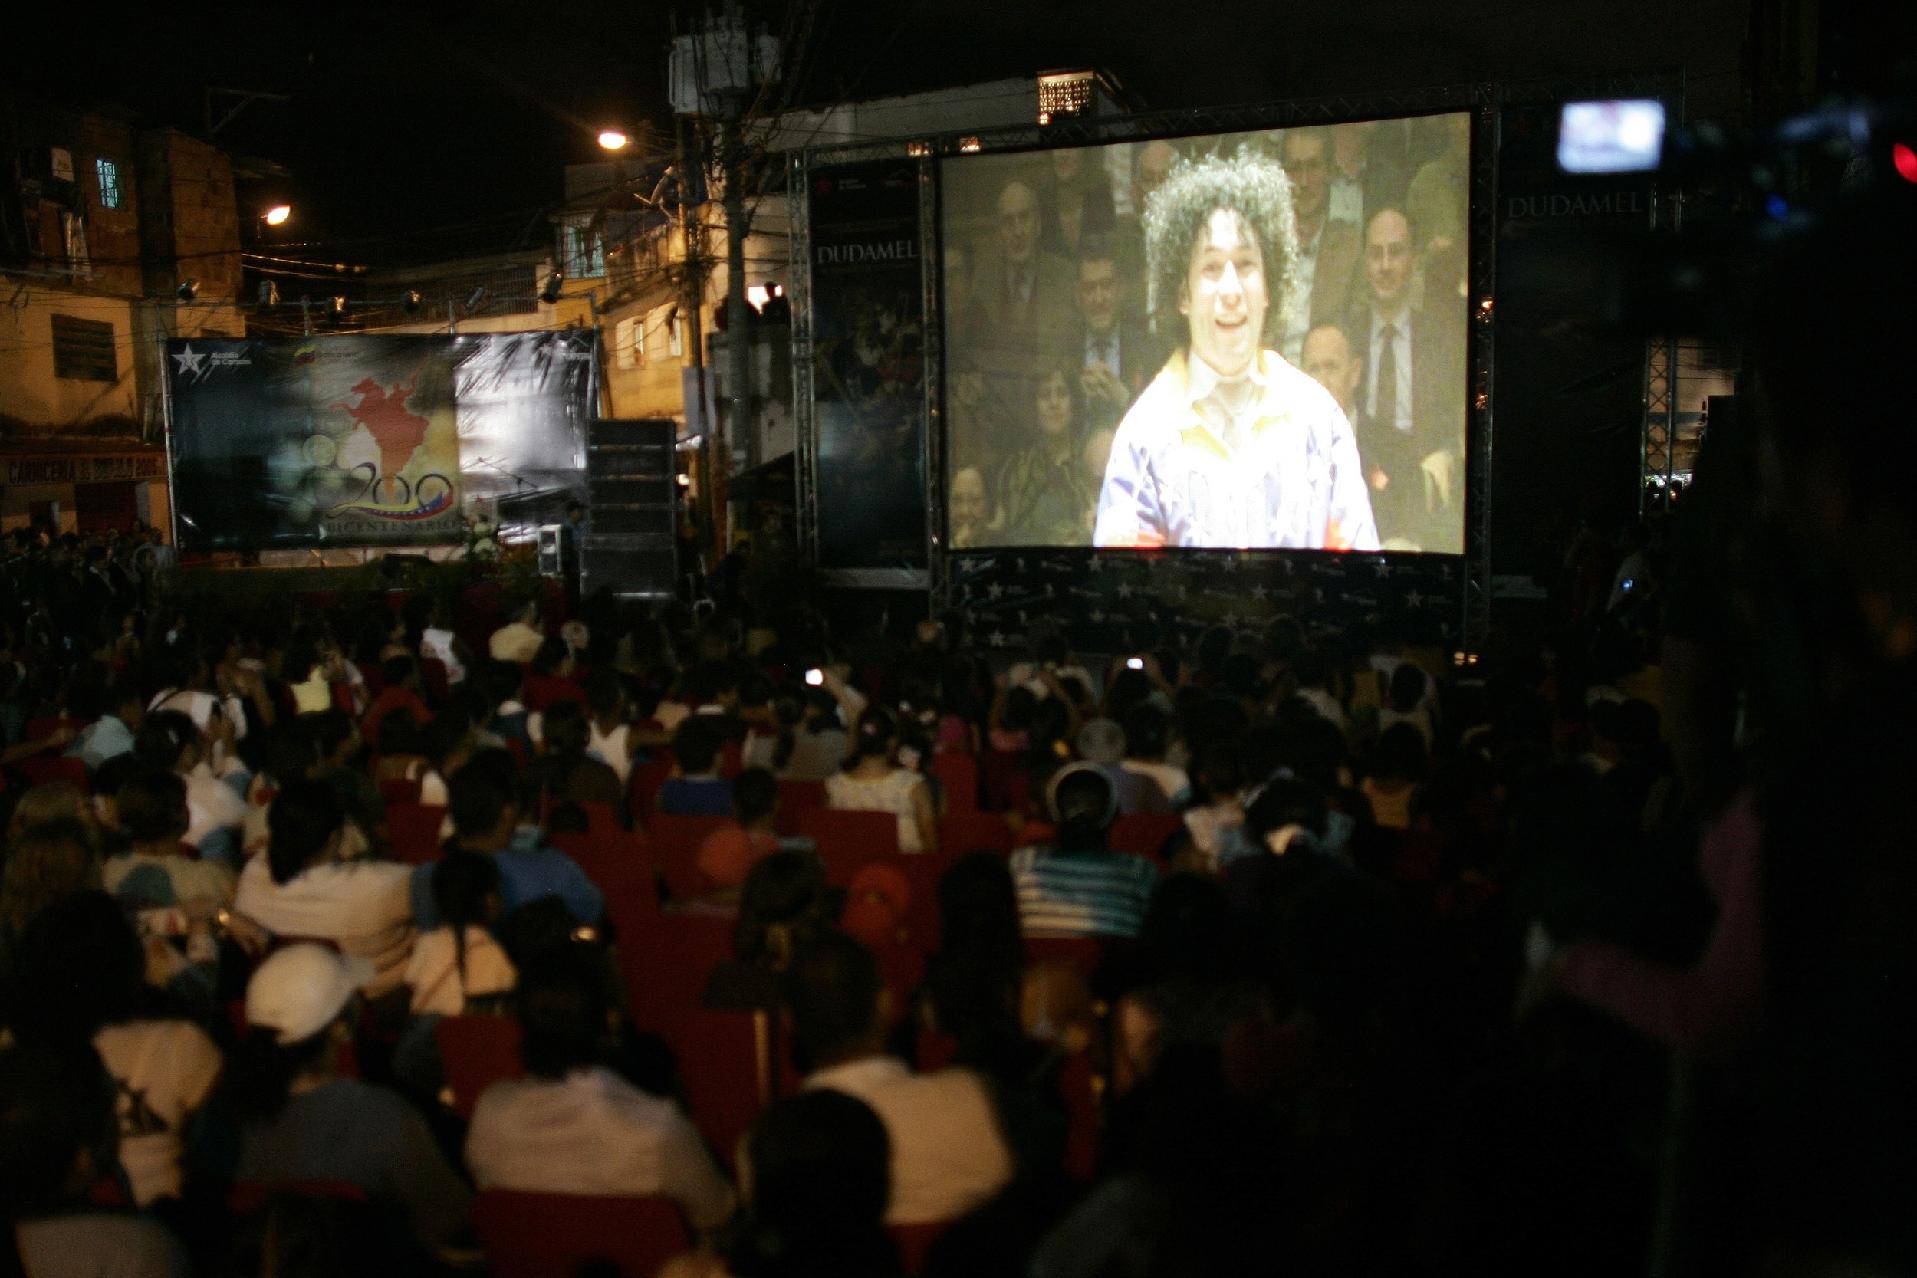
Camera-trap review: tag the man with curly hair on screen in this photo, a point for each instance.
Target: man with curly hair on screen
(1230, 446)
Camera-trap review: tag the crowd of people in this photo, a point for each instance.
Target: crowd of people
(1586, 952)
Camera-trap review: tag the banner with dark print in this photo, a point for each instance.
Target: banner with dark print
(868, 365)
(365, 440)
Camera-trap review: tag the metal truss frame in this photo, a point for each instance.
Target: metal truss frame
(805, 440)
(1484, 101)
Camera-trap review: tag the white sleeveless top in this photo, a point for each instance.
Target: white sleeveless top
(614, 749)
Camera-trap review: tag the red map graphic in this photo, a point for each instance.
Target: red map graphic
(397, 431)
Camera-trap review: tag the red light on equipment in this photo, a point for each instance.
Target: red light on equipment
(1905, 158)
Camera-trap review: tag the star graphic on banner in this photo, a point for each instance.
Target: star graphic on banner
(1317, 594)
(1096, 615)
(1124, 590)
(1098, 564)
(1384, 569)
(994, 590)
(1414, 600)
(1290, 566)
(996, 639)
(1258, 591)
(1018, 565)
(1231, 619)
(189, 360)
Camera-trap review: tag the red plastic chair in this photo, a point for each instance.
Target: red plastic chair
(962, 832)
(45, 769)
(1144, 833)
(643, 786)
(1003, 784)
(726, 1065)
(414, 829)
(668, 964)
(1078, 1086)
(400, 790)
(675, 843)
(556, 1235)
(958, 777)
(731, 760)
(915, 1243)
(796, 797)
(619, 863)
(848, 838)
(475, 1052)
(44, 725)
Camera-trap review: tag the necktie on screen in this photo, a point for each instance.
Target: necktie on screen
(1386, 408)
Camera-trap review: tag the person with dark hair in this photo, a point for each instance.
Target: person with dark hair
(696, 789)
(1231, 445)
(301, 888)
(154, 871)
(1101, 742)
(169, 740)
(460, 960)
(81, 977)
(573, 1126)
(304, 1119)
(872, 782)
(116, 715)
(46, 862)
(610, 737)
(1045, 498)
(1398, 762)
(948, 1156)
(57, 1140)
(565, 771)
(1408, 699)
(1217, 799)
(817, 1185)
(400, 693)
(1112, 348)
(1080, 887)
(727, 855)
(486, 819)
(784, 906)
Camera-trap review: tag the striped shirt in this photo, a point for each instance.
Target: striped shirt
(1081, 893)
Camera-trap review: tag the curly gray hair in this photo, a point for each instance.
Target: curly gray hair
(1250, 185)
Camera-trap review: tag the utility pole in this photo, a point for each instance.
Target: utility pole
(715, 74)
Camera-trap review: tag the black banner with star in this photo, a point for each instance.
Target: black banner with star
(869, 366)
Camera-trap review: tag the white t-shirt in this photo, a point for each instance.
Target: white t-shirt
(438, 644)
(433, 971)
(592, 1132)
(889, 793)
(211, 804)
(361, 906)
(515, 641)
(162, 1071)
(948, 1156)
(614, 749)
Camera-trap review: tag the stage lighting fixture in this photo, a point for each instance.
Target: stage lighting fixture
(970, 146)
(474, 298)
(918, 150)
(549, 292)
(412, 301)
(188, 290)
(613, 140)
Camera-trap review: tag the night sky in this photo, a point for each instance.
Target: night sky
(417, 127)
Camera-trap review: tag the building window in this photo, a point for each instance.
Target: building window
(83, 350)
(111, 195)
(629, 342)
(582, 253)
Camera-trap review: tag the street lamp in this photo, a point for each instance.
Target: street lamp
(613, 140)
(277, 215)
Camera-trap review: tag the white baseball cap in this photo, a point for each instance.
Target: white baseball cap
(300, 990)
